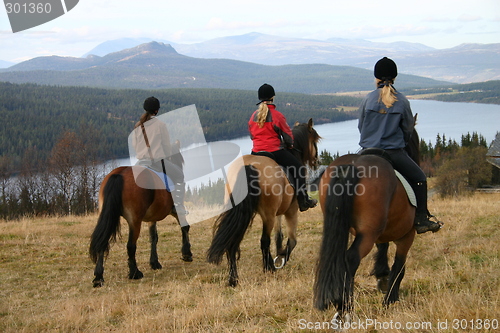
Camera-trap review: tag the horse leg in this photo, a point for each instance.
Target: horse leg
(265, 244)
(292, 222)
(359, 249)
(153, 236)
(381, 268)
(99, 271)
(134, 231)
(186, 245)
(278, 239)
(398, 268)
(233, 269)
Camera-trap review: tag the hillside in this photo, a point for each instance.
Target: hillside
(46, 112)
(157, 66)
(481, 92)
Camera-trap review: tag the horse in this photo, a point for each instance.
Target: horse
(119, 195)
(360, 194)
(270, 195)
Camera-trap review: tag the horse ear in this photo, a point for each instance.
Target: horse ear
(296, 123)
(415, 118)
(310, 123)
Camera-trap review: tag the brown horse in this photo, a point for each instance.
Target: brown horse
(362, 195)
(270, 195)
(119, 196)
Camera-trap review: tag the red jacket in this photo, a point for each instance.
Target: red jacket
(274, 135)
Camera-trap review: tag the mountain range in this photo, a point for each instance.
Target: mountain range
(157, 65)
(461, 64)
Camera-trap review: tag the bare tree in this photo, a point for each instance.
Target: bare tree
(64, 159)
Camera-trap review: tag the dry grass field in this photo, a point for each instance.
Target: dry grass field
(452, 280)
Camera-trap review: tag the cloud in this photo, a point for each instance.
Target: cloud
(469, 18)
(376, 31)
(216, 23)
(433, 19)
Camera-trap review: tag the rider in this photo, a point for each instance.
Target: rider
(386, 121)
(270, 133)
(151, 142)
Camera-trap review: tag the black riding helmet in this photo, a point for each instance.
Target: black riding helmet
(266, 92)
(151, 104)
(385, 69)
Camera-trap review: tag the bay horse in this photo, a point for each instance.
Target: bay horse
(360, 194)
(270, 195)
(119, 195)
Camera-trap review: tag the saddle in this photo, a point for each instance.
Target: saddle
(169, 184)
(382, 153)
(288, 175)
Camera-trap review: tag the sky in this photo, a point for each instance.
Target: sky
(436, 23)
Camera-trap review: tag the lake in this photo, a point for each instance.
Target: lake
(450, 119)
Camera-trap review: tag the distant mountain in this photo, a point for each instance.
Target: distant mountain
(120, 44)
(5, 64)
(465, 63)
(157, 65)
(462, 64)
(274, 50)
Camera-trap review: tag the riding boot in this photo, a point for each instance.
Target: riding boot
(179, 209)
(305, 202)
(422, 222)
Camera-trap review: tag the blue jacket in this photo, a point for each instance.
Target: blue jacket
(385, 128)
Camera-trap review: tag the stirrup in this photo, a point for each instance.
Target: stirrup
(307, 203)
(424, 225)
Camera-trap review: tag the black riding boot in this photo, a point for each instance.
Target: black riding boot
(305, 202)
(178, 195)
(422, 222)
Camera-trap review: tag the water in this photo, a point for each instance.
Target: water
(450, 119)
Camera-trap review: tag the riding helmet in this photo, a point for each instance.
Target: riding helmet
(385, 68)
(266, 92)
(151, 104)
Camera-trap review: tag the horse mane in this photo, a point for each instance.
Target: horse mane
(302, 133)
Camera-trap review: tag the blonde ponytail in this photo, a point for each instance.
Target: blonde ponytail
(262, 113)
(387, 92)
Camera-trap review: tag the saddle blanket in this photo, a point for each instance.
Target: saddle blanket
(408, 189)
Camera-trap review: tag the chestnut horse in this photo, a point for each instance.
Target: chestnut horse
(362, 195)
(119, 195)
(271, 196)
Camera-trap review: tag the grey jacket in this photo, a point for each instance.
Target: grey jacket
(385, 128)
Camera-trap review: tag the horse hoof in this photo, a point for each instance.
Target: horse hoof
(283, 262)
(136, 276)
(156, 265)
(341, 321)
(187, 258)
(233, 283)
(383, 285)
(98, 283)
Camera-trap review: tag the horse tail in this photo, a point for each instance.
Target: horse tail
(333, 283)
(108, 223)
(230, 226)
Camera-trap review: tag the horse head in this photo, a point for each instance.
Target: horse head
(305, 143)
